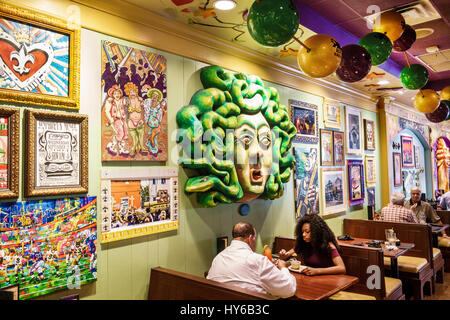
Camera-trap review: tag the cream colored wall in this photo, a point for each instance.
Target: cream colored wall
(124, 266)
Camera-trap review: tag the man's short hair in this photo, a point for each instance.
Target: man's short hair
(398, 198)
(243, 230)
(416, 189)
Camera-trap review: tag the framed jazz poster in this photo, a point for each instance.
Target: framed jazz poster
(417, 156)
(56, 160)
(339, 148)
(334, 192)
(332, 115)
(39, 58)
(355, 181)
(371, 174)
(369, 134)
(407, 151)
(306, 181)
(326, 147)
(134, 104)
(353, 127)
(139, 202)
(9, 152)
(304, 117)
(397, 167)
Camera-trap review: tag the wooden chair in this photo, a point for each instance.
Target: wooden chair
(168, 284)
(282, 243)
(416, 266)
(444, 244)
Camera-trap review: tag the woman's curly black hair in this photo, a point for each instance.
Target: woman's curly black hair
(321, 236)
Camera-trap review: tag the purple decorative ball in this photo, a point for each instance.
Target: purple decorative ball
(406, 40)
(355, 63)
(438, 115)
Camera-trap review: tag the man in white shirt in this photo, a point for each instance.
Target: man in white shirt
(240, 266)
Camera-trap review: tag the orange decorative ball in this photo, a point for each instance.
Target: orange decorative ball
(445, 93)
(390, 23)
(426, 101)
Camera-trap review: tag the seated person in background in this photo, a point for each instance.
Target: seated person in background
(240, 266)
(423, 211)
(395, 212)
(316, 246)
(445, 201)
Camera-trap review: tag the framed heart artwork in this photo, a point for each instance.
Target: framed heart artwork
(39, 59)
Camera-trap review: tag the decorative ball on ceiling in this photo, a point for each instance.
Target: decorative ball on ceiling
(414, 77)
(426, 101)
(390, 23)
(355, 63)
(440, 114)
(445, 93)
(321, 57)
(272, 22)
(406, 40)
(378, 45)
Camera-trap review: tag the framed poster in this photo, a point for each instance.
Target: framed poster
(417, 156)
(139, 202)
(353, 127)
(339, 153)
(326, 147)
(407, 152)
(397, 167)
(52, 244)
(304, 117)
(57, 153)
(306, 181)
(334, 192)
(134, 104)
(332, 115)
(39, 60)
(371, 174)
(369, 134)
(371, 196)
(9, 152)
(355, 181)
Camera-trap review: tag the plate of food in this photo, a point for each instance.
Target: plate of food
(296, 267)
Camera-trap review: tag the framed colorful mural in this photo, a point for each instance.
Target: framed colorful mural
(339, 148)
(397, 167)
(369, 134)
(134, 104)
(407, 152)
(371, 172)
(353, 127)
(306, 181)
(326, 147)
(417, 156)
(50, 245)
(138, 202)
(304, 117)
(39, 59)
(355, 181)
(56, 160)
(334, 192)
(332, 115)
(9, 152)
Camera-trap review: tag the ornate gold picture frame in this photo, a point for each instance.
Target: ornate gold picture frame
(57, 153)
(39, 60)
(9, 152)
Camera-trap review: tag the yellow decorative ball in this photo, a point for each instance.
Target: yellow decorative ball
(390, 23)
(426, 101)
(445, 93)
(322, 59)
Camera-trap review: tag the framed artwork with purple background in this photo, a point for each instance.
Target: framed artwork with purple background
(355, 181)
(407, 152)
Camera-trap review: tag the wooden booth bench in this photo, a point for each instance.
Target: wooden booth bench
(416, 266)
(444, 244)
(168, 284)
(357, 261)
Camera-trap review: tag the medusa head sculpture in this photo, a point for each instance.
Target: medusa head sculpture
(237, 136)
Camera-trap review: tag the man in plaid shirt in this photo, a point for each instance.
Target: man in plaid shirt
(395, 212)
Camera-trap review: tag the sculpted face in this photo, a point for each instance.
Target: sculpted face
(253, 154)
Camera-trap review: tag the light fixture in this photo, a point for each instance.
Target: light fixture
(381, 82)
(224, 4)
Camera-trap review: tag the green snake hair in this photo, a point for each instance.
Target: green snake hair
(215, 109)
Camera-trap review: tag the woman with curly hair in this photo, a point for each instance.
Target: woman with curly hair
(316, 247)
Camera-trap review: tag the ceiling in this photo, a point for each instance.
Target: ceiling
(343, 19)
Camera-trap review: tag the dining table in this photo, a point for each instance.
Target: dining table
(392, 254)
(320, 287)
(436, 229)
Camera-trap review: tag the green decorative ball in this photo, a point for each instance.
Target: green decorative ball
(378, 45)
(414, 77)
(272, 22)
